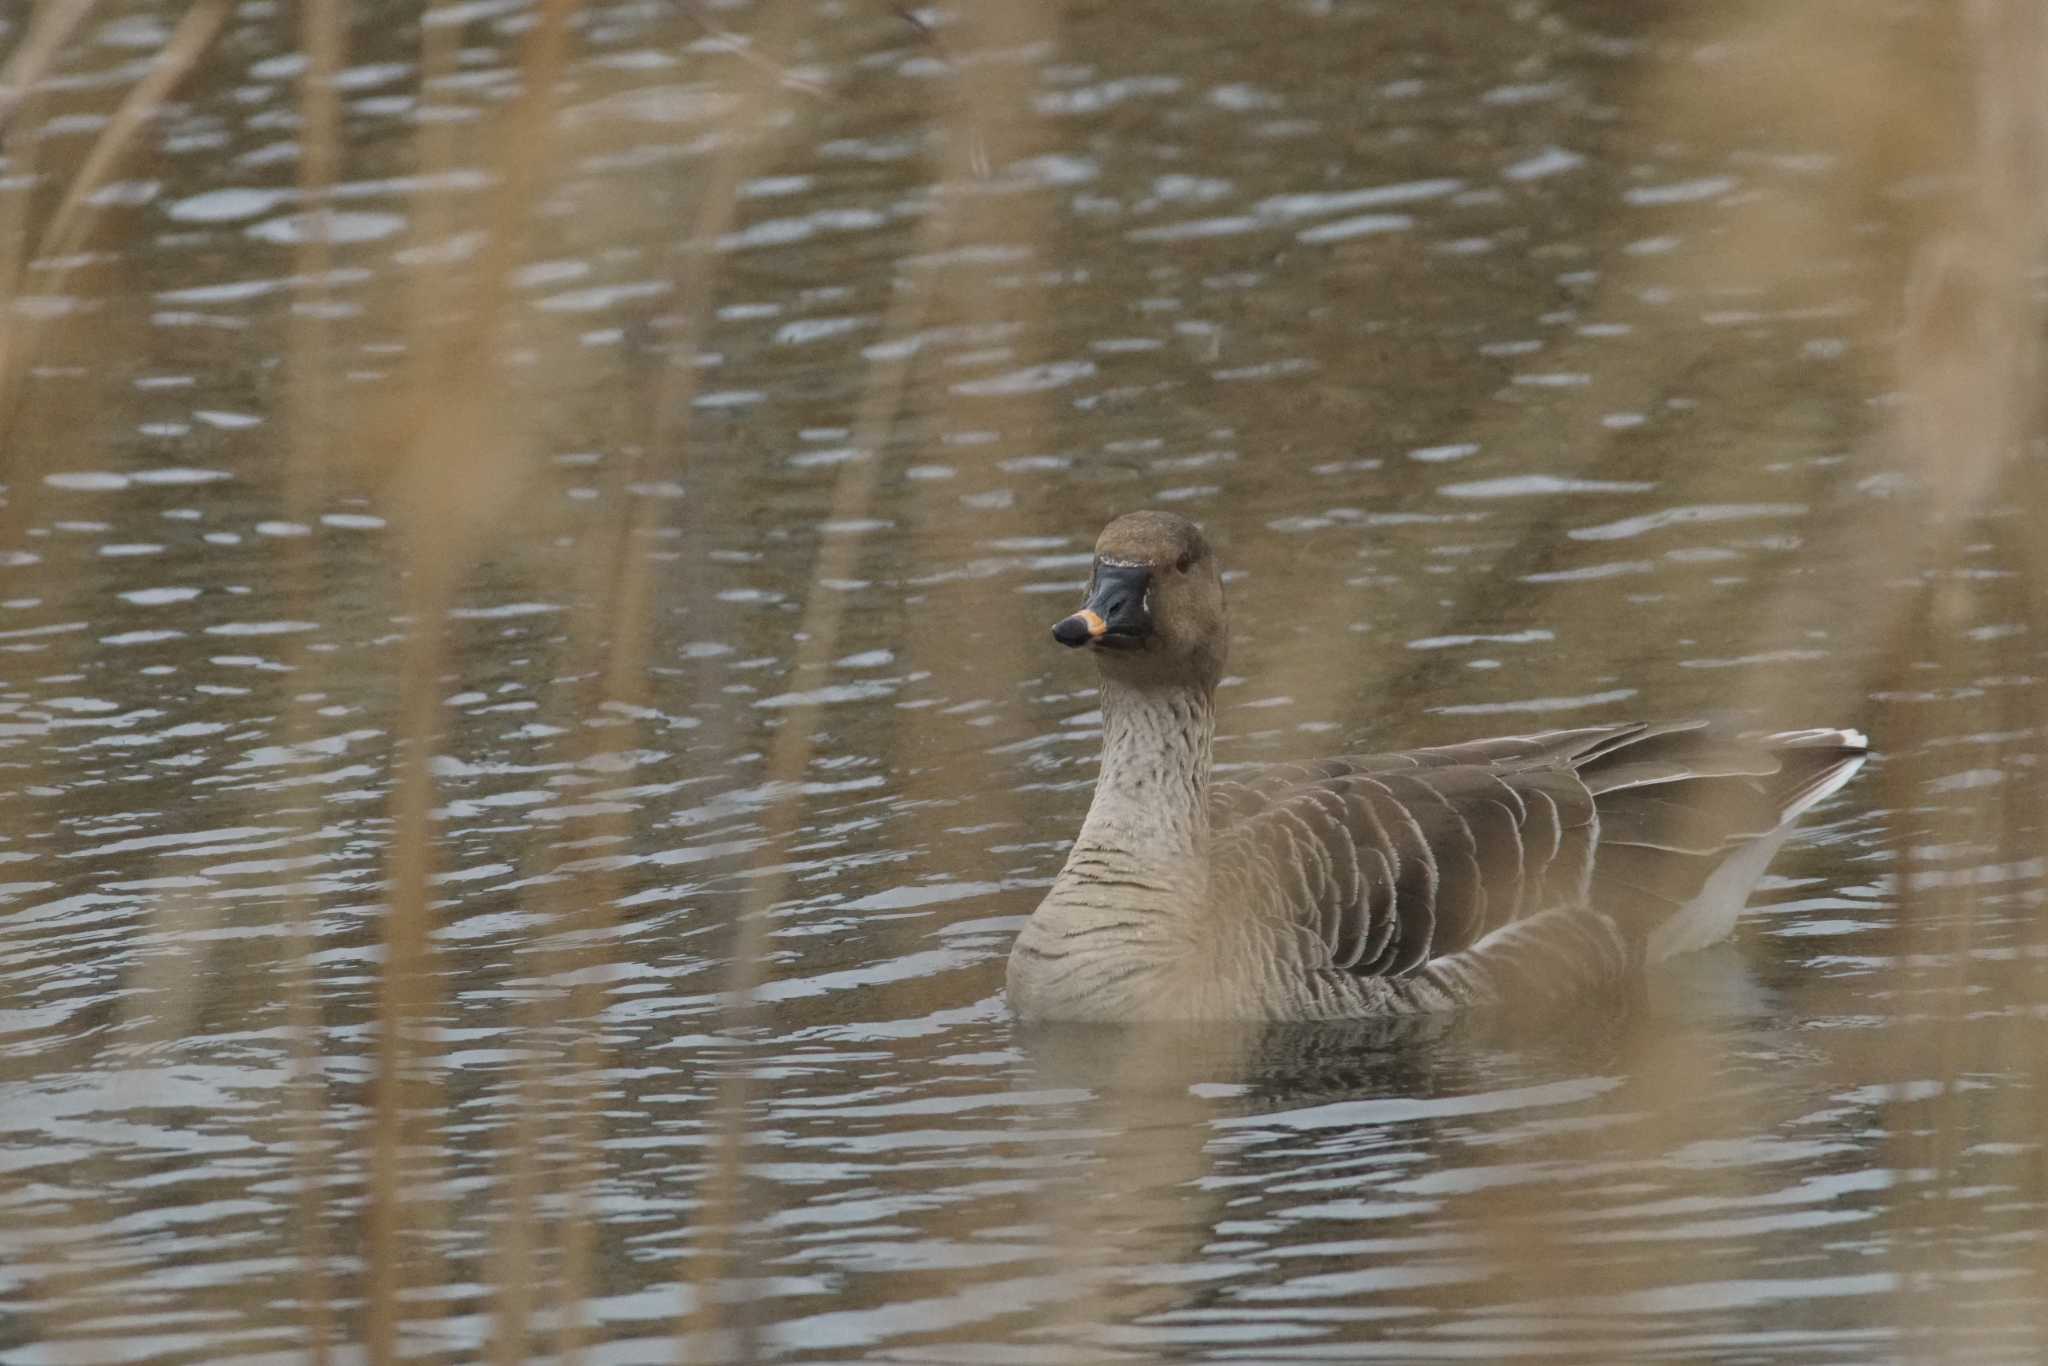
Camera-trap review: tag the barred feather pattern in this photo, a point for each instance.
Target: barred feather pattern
(1519, 869)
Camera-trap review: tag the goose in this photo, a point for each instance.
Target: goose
(1528, 868)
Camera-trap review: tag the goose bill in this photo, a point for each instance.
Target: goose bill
(1117, 614)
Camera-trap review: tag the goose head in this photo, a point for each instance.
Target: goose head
(1153, 616)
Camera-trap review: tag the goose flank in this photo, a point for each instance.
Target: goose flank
(1526, 868)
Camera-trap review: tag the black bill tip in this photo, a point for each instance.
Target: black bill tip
(1079, 629)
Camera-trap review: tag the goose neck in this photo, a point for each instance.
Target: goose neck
(1156, 752)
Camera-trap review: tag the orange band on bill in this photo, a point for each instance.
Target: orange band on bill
(1096, 625)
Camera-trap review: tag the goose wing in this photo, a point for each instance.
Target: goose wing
(1390, 860)
(1386, 862)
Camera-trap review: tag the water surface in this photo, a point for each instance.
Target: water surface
(1424, 316)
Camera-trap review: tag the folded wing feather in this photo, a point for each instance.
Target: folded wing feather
(1388, 862)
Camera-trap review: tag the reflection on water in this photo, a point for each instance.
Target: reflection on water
(1421, 314)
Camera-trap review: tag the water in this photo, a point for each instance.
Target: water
(1434, 323)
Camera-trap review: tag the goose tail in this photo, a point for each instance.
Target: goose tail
(1690, 820)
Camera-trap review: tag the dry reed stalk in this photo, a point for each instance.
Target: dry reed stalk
(69, 224)
(994, 72)
(23, 462)
(72, 1290)
(626, 583)
(721, 1255)
(311, 418)
(1813, 78)
(1968, 363)
(452, 472)
(189, 41)
(433, 217)
(514, 1262)
(406, 995)
(17, 231)
(65, 230)
(24, 241)
(1815, 75)
(441, 448)
(1143, 1176)
(1970, 358)
(471, 441)
(27, 1240)
(36, 55)
(323, 28)
(610, 624)
(615, 619)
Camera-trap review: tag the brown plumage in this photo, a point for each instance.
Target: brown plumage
(1519, 868)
